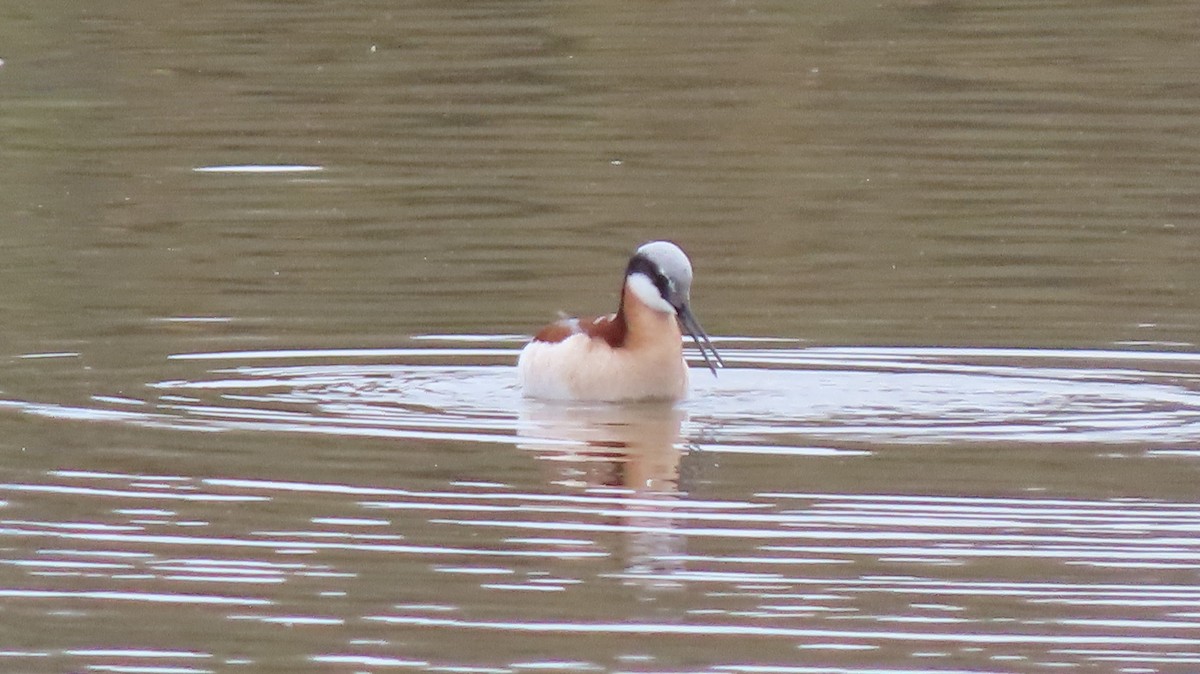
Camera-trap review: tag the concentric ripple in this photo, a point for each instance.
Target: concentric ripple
(773, 397)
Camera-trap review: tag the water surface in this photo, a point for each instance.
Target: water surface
(855, 506)
(268, 266)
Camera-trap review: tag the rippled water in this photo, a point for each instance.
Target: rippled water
(841, 395)
(810, 510)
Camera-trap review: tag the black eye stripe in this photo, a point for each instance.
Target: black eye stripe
(641, 265)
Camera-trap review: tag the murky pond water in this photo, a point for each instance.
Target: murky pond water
(940, 509)
(268, 267)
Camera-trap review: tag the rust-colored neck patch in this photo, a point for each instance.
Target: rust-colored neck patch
(613, 328)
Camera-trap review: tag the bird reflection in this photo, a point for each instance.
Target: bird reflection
(630, 451)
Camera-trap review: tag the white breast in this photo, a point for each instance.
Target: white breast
(582, 368)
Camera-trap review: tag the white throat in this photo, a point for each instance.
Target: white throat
(644, 289)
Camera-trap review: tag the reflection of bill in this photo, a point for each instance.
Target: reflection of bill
(631, 452)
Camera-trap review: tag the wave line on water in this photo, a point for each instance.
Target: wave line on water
(284, 545)
(309, 354)
(152, 597)
(718, 630)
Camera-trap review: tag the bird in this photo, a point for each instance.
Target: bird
(633, 354)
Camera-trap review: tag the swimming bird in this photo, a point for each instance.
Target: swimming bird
(634, 354)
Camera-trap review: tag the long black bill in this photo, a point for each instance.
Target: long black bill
(692, 327)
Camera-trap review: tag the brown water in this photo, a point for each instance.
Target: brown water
(268, 266)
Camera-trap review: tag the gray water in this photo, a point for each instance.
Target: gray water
(268, 267)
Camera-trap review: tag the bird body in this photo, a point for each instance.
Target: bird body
(633, 354)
